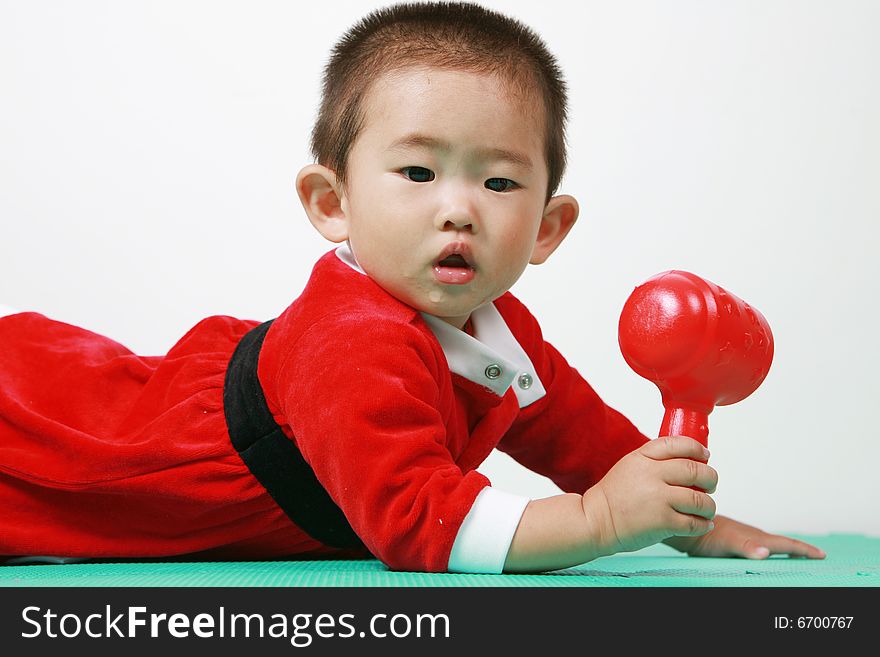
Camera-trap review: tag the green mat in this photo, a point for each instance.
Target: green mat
(852, 561)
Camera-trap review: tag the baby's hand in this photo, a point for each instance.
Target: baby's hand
(736, 539)
(646, 497)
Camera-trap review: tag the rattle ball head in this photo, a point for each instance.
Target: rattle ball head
(701, 345)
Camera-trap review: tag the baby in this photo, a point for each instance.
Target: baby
(353, 424)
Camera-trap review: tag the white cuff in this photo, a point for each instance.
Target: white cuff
(485, 535)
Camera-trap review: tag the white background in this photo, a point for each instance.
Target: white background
(148, 152)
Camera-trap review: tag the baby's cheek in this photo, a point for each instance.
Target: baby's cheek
(517, 244)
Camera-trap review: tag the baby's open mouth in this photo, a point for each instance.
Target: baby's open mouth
(454, 260)
(454, 266)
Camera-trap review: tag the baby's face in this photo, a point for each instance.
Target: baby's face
(446, 189)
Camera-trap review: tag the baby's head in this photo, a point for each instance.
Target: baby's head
(440, 143)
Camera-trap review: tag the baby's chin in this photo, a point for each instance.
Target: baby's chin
(451, 303)
(450, 308)
(455, 314)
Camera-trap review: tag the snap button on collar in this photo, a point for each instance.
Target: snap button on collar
(493, 371)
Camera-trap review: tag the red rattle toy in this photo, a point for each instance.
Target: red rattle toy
(702, 346)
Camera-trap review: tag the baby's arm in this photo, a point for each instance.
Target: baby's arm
(645, 498)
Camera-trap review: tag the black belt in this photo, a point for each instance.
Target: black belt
(271, 456)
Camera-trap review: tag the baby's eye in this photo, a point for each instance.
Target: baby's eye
(418, 174)
(500, 184)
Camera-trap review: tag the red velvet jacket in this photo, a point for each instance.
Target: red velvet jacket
(122, 455)
(361, 382)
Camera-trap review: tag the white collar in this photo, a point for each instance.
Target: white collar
(492, 357)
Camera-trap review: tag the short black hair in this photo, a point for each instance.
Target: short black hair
(450, 35)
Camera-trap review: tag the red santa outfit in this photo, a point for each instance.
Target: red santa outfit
(385, 413)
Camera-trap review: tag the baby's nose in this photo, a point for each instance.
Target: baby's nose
(457, 208)
(458, 223)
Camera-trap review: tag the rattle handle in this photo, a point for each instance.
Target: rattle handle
(679, 421)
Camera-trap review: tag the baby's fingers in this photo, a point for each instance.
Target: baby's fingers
(692, 502)
(674, 447)
(773, 544)
(687, 472)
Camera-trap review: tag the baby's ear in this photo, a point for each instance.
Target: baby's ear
(560, 213)
(317, 188)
